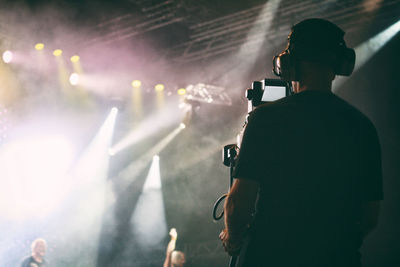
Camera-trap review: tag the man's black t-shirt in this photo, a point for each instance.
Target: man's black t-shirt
(316, 159)
(31, 262)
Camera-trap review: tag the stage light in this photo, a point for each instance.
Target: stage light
(57, 52)
(74, 78)
(136, 83)
(77, 68)
(7, 56)
(208, 93)
(137, 97)
(181, 91)
(75, 59)
(159, 87)
(39, 46)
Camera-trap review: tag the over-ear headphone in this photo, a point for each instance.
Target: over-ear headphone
(315, 40)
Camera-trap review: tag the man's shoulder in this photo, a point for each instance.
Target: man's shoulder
(269, 107)
(351, 112)
(313, 100)
(26, 261)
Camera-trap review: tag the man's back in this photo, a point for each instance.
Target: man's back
(310, 202)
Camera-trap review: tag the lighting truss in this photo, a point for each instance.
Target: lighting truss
(228, 33)
(225, 34)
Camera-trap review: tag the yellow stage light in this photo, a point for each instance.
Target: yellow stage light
(181, 91)
(159, 87)
(136, 83)
(39, 46)
(74, 58)
(57, 52)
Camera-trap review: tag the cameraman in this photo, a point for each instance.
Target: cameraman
(309, 166)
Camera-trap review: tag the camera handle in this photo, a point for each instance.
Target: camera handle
(229, 154)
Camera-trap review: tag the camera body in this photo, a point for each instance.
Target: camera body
(266, 91)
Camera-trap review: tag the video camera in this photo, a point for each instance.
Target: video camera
(266, 91)
(261, 92)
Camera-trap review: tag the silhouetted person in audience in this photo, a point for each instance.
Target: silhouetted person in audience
(173, 258)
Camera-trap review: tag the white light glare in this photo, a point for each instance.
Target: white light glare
(7, 56)
(111, 152)
(74, 78)
(41, 184)
(182, 125)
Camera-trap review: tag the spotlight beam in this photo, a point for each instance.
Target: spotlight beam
(92, 193)
(145, 129)
(136, 167)
(366, 50)
(148, 220)
(261, 25)
(93, 165)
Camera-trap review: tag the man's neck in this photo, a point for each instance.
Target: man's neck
(37, 258)
(316, 86)
(315, 77)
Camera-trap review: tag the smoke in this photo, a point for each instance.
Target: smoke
(33, 90)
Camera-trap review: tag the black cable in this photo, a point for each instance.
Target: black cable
(216, 204)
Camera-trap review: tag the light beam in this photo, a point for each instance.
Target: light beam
(136, 167)
(148, 220)
(366, 50)
(151, 125)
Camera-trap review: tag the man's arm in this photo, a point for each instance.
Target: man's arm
(170, 247)
(238, 209)
(369, 217)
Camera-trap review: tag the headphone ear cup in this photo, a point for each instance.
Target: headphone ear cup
(347, 62)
